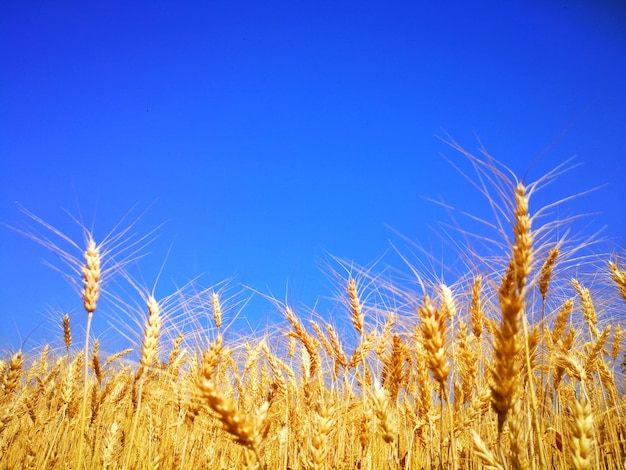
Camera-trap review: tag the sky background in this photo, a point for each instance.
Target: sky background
(265, 135)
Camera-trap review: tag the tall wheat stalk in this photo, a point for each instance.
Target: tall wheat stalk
(508, 343)
(91, 293)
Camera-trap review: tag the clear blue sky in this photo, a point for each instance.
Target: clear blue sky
(266, 134)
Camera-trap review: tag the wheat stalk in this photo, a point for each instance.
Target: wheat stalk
(92, 272)
(476, 312)
(519, 450)
(508, 344)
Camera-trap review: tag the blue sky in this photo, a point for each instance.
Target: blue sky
(267, 134)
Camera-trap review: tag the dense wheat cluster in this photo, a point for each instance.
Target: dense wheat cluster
(513, 364)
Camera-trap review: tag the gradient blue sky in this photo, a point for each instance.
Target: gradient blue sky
(265, 134)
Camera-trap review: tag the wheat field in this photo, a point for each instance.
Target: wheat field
(515, 363)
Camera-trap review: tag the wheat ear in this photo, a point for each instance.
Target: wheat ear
(67, 332)
(589, 311)
(322, 426)
(433, 329)
(434, 337)
(339, 353)
(91, 276)
(14, 373)
(245, 429)
(217, 309)
(617, 342)
(483, 452)
(356, 308)
(619, 276)
(309, 342)
(150, 337)
(110, 446)
(385, 412)
(394, 376)
(561, 319)
(582, 434)
(594, 352)
(95, 362)
(544, 284)
(546, 273)
(467, 363)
